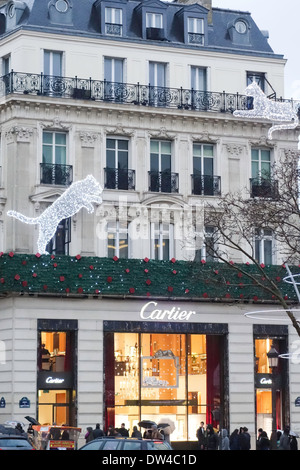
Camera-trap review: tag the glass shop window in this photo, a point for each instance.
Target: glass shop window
(55, 351)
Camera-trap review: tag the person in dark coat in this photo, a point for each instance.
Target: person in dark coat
(136, 433)
(212, 438)
(264, 442)
(234, 440)
(97, 432)
(123, 431)
(201, 436)
(244, 439)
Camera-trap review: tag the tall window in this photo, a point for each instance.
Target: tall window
(204, 181)
(162, 241)
(196, 31)
(113, 76)
(118, 175)
(261, 184)
(59, 244)
(53, 63)
(117, 239)
(261, 163)
(113, 21)
(257, 77)
(161, 177)
(54, 169)
(263, 245)
(207, 252)
(54, 147)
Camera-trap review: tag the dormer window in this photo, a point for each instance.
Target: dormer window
(62, 6)
(241, 27)
(60, 12)
(239, 32)
(196, 31)
(193, 21)
(154, 20)
(113, 21)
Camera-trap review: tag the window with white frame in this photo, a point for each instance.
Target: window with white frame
(263, 246)
(117, 239)
(207, 252)
(162, 241)
(196, 31)
(54, 168)
(154, 20)
(113, 21)
(260, 163)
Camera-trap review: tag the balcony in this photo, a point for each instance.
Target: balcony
(121, 93)
(117, 178)
(163, 182)
(206, 185)
(56, 174)
(263, 187)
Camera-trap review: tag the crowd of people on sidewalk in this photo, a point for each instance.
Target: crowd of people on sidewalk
(150, 433)
(212, 439)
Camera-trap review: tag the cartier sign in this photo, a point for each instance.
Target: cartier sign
(150, 312)
(263, 380)
(55, 380)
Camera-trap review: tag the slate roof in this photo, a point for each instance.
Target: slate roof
(86, 22)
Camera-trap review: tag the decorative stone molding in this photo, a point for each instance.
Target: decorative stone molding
(162, 133)
(234, 150)
(19, 134)
(88, 139)
(119, 130)
(56, 123)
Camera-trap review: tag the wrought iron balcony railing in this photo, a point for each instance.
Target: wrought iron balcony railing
(206, 185)
(263, 187)
(117, 178)
(56, 174)
(163, 182)
(135, 94)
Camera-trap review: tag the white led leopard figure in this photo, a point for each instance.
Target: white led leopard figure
(80, 194)
(282, 113)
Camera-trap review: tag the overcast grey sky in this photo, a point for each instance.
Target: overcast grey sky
(282, 20)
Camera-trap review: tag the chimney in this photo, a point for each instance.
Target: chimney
(205, 3)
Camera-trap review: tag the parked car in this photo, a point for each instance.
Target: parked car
(119, 443)
(14, 442)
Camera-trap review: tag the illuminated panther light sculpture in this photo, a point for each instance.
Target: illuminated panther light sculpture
(282, 113)
(80, 194)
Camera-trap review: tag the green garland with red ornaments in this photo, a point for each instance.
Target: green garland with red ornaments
(93, 276)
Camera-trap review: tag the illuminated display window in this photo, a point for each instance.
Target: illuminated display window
(157, 377)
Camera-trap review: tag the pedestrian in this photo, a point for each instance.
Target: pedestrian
(293, 443)
(89, 435)
(212, 438)
(136, 433)
(123, 431)
(97, 432)
(284, 442)
(264, 441)
(19, 429)
(201, 436)
(244, 439)
(224, 440)
(234, 440)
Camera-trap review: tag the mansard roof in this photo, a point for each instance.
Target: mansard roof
(83, 18)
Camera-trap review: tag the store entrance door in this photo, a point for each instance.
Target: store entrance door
(55, 407)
